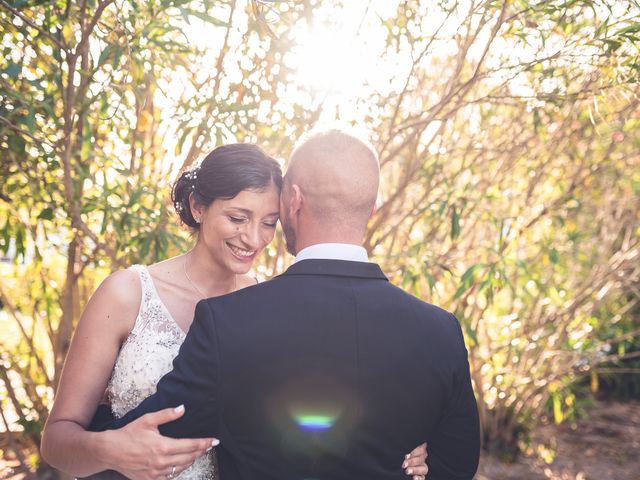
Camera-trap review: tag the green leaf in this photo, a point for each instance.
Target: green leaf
(116, 58)
(470, 332)
(30, 121)
(430, 280)
(612, 45)
(467, 280)
(455, 223)
(17, 144)
(30, 427)
(6, 238)
(207, 18)
(634, 28)
(20, 242)
(104, 55)
(13, 70)
(46, 214)
(185, 14)
(145, 245)
(557, 407)
(183, 138)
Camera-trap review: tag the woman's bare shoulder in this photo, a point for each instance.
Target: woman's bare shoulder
(117, 298)
(122, 286)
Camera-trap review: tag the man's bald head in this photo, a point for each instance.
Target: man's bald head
(338, 175)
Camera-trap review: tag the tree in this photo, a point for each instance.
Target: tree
(102, 103)
(508, 146)
(508, 193)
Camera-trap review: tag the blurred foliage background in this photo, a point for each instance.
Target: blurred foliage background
(508, 134)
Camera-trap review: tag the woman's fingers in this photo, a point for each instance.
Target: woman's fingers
(181, 453)
(177, 446)
(414, 461)
(181, 463)
(420, 451)
(418, 470)
(162, 416)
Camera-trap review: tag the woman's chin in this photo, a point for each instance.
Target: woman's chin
(241, 270)
(241, 266)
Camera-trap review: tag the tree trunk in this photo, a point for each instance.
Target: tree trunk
(69, 312)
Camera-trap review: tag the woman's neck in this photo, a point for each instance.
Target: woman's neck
(207, 276)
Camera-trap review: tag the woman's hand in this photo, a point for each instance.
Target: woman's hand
(139, 452)
(415, 463)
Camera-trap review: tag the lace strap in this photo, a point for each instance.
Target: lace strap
(147, 293)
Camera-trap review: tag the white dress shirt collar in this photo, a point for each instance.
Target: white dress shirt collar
(333, 251)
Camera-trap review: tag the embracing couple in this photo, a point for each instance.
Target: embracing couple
(326, 371)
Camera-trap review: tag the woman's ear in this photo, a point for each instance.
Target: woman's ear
(197, 210)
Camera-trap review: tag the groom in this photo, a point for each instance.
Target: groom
(327, 371)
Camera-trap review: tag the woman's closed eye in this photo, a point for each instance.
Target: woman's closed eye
(237, 219)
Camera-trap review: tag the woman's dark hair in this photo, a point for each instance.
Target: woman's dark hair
(224, 173)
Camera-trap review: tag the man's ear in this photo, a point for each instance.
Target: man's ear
(295, 200)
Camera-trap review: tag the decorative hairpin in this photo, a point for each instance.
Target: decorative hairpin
(192, 174)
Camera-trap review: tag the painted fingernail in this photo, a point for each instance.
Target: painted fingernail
(179, 409)
(410, 471)
(406, 456)
(404, 465)
(215, 442)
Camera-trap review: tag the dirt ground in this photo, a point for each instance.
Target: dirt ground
(603, 445)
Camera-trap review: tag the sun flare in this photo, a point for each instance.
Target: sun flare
(341, 57)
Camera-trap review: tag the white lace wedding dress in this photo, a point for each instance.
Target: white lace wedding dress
(146, 355)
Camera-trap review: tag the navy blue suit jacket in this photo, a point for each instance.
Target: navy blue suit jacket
(327, 371)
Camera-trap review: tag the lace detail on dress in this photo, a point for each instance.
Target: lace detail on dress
(144, 358)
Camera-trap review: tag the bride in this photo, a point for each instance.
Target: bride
(135, 322)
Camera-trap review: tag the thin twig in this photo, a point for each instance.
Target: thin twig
(26, 20)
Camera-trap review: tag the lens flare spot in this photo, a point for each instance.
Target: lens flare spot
(315, 423)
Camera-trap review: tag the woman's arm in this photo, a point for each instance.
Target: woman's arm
(137, 451)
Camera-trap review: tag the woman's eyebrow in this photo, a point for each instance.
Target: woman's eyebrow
(250, 212)
(240, 209)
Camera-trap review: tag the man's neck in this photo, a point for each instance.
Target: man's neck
(307, 238)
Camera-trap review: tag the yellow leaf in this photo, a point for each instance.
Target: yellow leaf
(144, 121)
(595, 381)
(136, 72)
(67, 32)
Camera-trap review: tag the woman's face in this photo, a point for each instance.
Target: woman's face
(235, 231)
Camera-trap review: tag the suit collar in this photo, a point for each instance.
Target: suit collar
(336, 268)
(333, 251)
